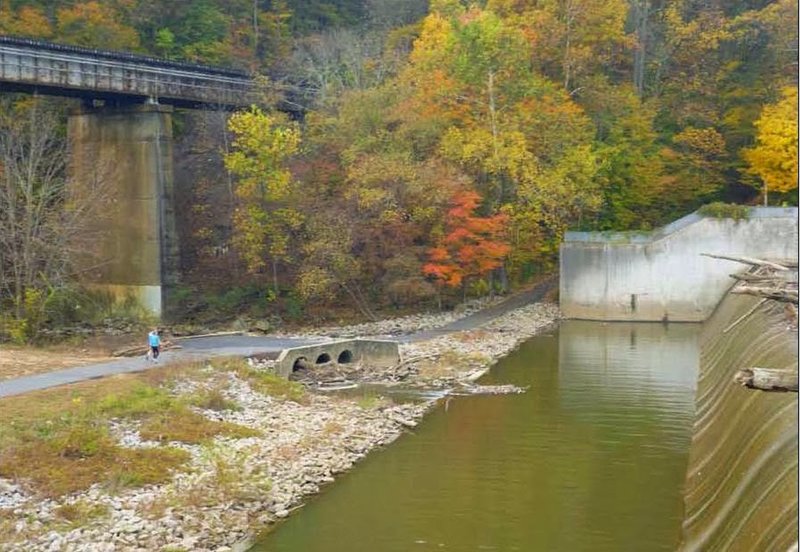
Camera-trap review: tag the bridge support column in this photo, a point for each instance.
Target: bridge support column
(136, 250)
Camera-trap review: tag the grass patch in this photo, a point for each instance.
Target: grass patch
(373, 402)
(278, 387)
(53, 470)
(332, 428)
(56, 441)
(213, 399)
(234, 478)
(182, 424)
(79, 513)
(450, 364)
(263, 382)
(138, 401)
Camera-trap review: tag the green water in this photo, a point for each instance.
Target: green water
(593, 457)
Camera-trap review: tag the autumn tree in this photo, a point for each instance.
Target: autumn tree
(571, 39)
(95, 25)
(28, 21)
(714, 64)
(264, 219)
(368, 169)
(774, 157)
(525, 143)
(471, 246)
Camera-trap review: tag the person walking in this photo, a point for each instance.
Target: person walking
(154, 340)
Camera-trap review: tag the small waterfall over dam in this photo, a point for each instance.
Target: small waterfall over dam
(741, 484)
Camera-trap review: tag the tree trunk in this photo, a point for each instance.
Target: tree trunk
(767, 379)
(275, 277)
(642, 14)
(255, 28)
(567, 44)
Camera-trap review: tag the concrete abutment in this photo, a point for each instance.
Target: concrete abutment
(662, 275)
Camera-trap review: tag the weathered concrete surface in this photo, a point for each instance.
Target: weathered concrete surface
(376, 353)
(127, 152)
(661, 275)
(741, 483)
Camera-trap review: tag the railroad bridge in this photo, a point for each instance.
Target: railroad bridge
(122, 134)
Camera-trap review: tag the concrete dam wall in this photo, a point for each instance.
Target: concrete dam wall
(741, 485)
(661, 275)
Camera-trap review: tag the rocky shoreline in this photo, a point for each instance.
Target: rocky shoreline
(237, 488)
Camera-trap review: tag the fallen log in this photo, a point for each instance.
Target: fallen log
(767, 379)
(783, 295)
(745, 315)
(488, 390)
(747, 260)
(773, 278)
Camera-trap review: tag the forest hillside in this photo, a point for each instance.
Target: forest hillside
(442, 148)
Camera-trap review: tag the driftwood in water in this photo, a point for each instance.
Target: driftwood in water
(489, 390)
(765, 279)
(767, 379)
(783, 295)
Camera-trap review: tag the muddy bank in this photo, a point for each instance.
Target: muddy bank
(236, 488)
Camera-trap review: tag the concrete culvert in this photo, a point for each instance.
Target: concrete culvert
(345, 357)
(300, 364)
(323, 358)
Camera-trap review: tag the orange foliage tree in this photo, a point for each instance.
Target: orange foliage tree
(472, 245)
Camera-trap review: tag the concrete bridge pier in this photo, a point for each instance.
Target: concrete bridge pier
(126, 152)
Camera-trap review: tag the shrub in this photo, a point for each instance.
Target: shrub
(721, 210)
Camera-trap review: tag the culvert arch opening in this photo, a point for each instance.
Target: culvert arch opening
(323, 358)
(300, 364)
(345, 357)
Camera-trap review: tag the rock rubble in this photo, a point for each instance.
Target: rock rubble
(237, 487)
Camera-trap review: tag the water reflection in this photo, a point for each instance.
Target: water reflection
(591, 458)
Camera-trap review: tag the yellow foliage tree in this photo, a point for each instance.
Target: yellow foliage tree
(774, 157)
(264, 219)
(27, 21)
(95, 25)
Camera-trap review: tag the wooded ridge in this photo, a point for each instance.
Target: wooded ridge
(443, 147)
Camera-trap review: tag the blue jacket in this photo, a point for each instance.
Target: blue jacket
(154, 340)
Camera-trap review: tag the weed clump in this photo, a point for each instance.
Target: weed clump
(267, 383)
(184, 425)
(720, 210)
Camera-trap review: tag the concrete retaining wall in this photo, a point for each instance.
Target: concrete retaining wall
(661, 275)
(375, 353)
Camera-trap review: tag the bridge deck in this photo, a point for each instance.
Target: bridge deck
(48, 68)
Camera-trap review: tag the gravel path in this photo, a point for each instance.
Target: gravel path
(246, 345)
